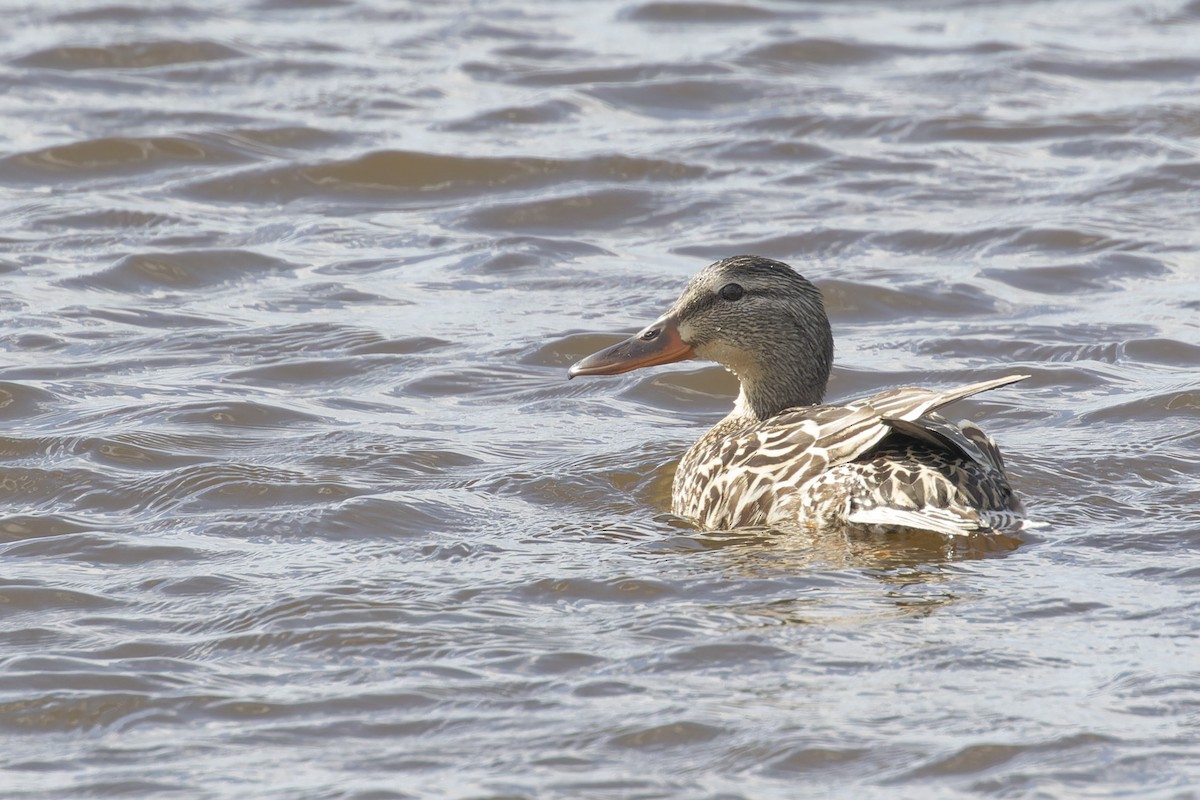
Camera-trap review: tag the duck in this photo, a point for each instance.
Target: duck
(781, 458)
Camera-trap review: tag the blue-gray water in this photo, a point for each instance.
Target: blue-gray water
(296, 502)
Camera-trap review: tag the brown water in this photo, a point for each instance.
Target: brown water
(298, 503)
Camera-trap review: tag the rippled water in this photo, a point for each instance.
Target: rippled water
(297, 501)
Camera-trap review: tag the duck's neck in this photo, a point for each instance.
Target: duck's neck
(793, 374)
(762, 397)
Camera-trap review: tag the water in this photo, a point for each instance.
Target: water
(298, 503)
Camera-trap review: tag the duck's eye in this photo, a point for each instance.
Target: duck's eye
(731, 292)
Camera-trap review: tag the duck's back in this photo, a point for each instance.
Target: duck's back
(883, 463)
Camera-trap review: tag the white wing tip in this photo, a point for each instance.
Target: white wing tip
(935, 520)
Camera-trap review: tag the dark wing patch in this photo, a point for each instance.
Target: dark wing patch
(939, 433)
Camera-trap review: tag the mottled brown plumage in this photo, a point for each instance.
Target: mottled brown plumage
(882, 463)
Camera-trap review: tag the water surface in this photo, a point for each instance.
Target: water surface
(296, 499)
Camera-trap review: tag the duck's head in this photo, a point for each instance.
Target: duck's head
(758, 318)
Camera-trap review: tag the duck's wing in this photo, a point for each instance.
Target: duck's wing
(957, 486)
(909, 411)
(831, 435)
(911, 403)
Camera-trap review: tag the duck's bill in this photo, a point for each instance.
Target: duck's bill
(658, 343)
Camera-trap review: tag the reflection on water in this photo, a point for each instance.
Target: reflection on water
(297, 500)
(914, 556)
